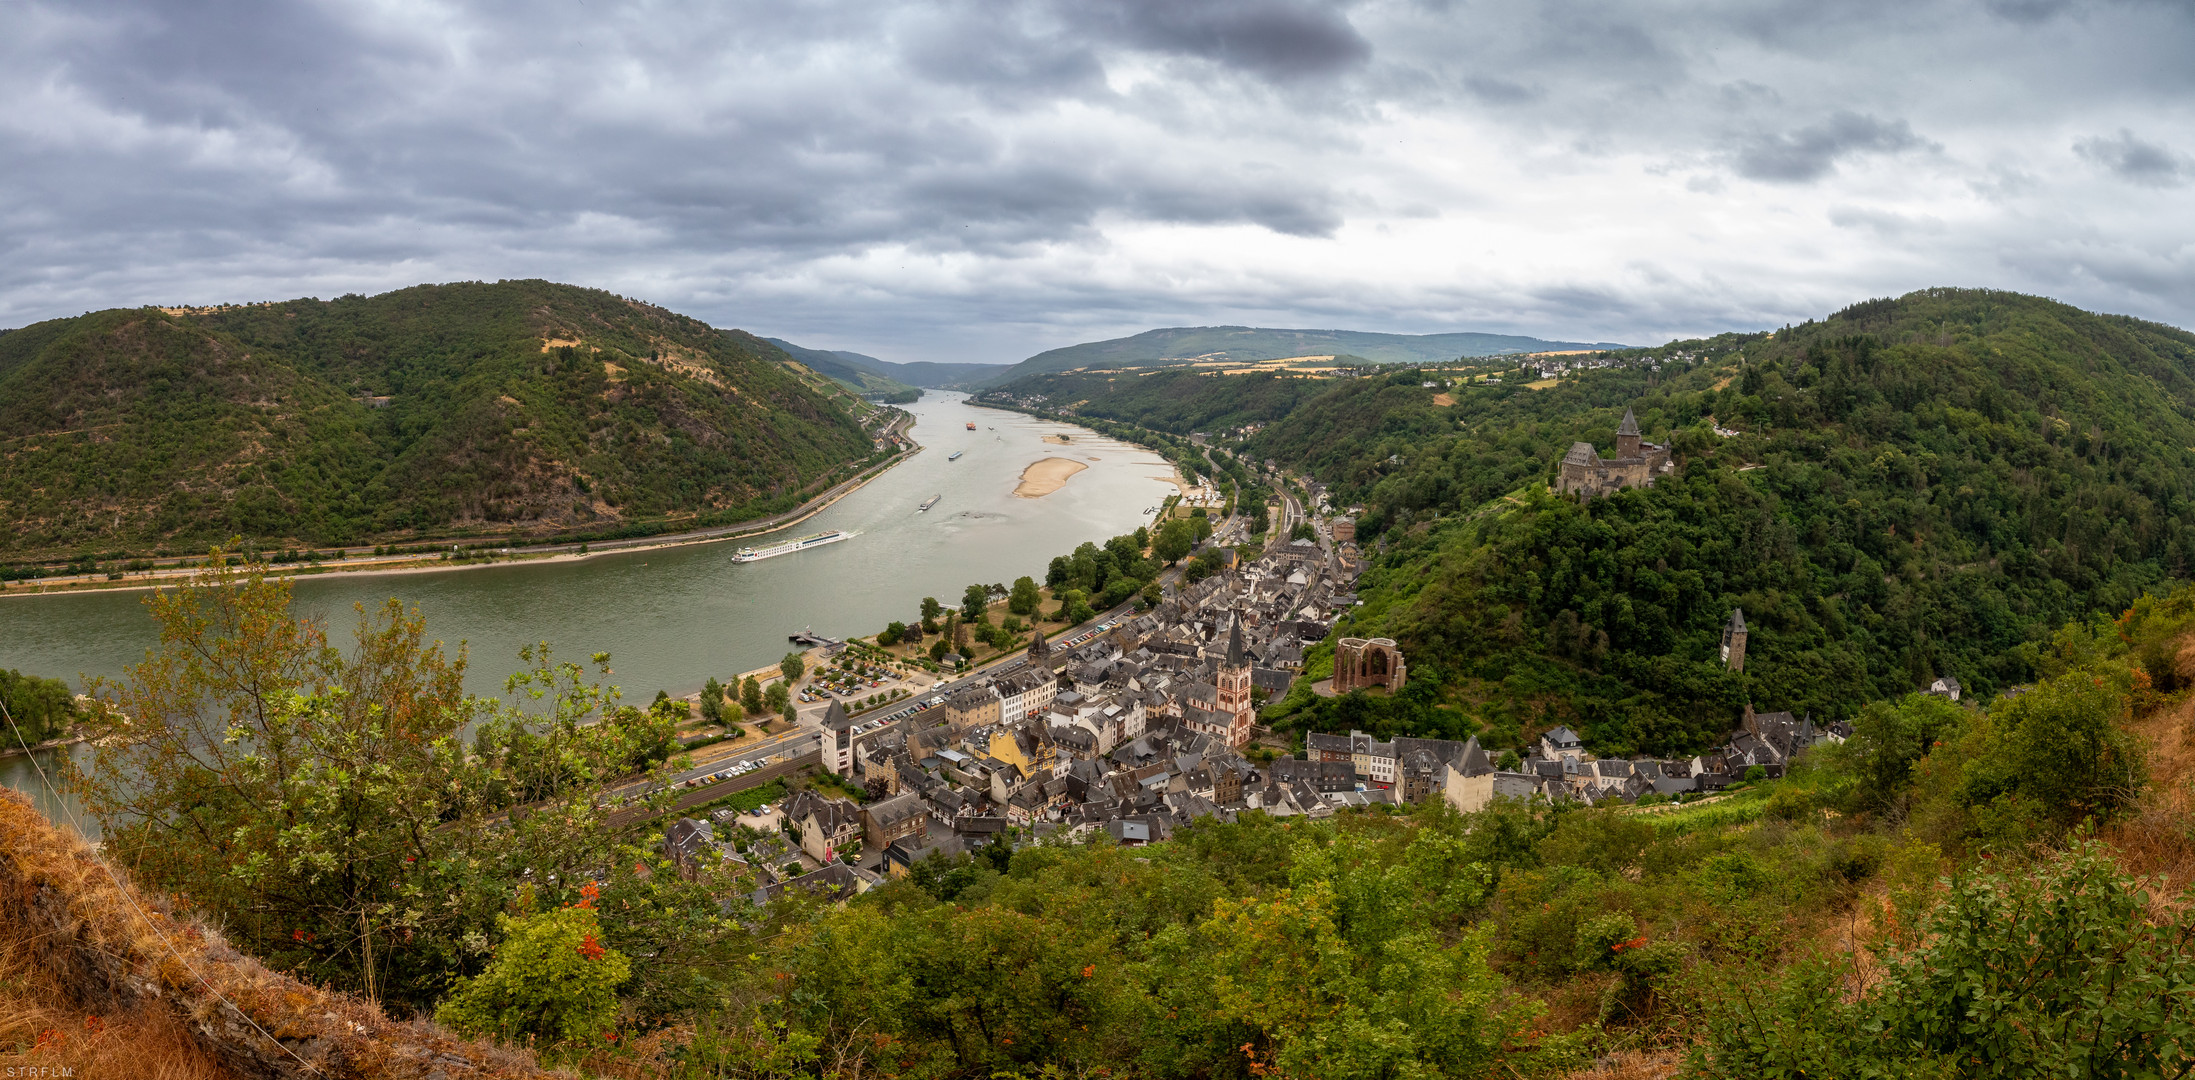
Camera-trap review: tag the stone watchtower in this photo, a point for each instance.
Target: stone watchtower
(1040, 651)
(1733, 641)
(1627, 436)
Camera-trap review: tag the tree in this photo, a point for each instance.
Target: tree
(793, 666)
(314, 799)
(1204, 565)
(1174, 540)
(41, 709)
(750, 695)
(1152, 594)
(892, 635)
(1890, 737)
(712, 701)
(975, 604)
(776, 696)
(931, 611)
(552, 979)
(1055, 574)
(1025, 597)
(1074, 607)
(938, 649)
(2056, 753)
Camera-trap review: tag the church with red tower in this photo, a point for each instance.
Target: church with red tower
(1222, 709)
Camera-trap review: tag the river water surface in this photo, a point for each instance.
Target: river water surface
(673, 617)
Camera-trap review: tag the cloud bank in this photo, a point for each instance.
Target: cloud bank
(982, 180)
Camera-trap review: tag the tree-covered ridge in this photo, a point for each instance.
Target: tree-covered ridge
(850, 369)
(1241, 344)
(516, 406)
(1921, 487)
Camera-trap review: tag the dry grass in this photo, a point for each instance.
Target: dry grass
(38, 1030)
(1632, 1065)
(119, 985)
(2155, 841)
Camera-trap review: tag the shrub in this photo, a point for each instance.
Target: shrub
(551, 979)
(2062, 969)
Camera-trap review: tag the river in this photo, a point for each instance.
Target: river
(673, 617)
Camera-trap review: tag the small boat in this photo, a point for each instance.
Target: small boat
(971, 425)
(955, 455)
(748, 554)
(930, 502)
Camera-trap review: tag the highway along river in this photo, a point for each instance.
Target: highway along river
(672, 617)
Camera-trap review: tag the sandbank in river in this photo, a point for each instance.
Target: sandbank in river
(1047, 476)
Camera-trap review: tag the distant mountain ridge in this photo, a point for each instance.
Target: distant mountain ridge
(851, 367)
(513, 408)
(1246, 344)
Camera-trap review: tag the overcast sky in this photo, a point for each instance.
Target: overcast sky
(986, 179)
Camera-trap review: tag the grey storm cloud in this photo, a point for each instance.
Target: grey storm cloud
(1811, 152)
(980, 179)
(2134, 160)
(1277, 40)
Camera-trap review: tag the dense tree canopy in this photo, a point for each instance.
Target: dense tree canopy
(518, 405)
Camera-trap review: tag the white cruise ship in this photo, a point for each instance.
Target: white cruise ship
(750, 554)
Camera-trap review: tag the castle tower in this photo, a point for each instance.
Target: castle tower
(1627, 435)
(1733, 641)
(1040, 650)
(1233, 683)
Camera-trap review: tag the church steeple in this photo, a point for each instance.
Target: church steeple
(1233, 679)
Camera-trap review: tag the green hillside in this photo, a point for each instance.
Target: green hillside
(1922, 487)
(1243, 344)
(860, 369)
(847, 369)
(518, 407)
(930, 373)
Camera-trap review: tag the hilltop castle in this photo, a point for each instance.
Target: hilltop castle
(1637, 462)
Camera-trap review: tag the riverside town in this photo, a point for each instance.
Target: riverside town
(1247, 540)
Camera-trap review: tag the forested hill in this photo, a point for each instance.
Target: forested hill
(1246, 344)
(862, 374)
(1921, 487)
(857, 368)
(520, 406)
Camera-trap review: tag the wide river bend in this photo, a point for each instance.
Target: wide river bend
(673, 617)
